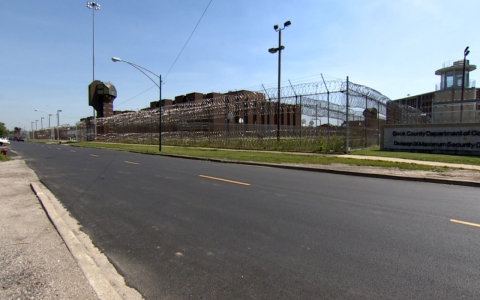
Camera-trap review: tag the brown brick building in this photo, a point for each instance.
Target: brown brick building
(235, 107)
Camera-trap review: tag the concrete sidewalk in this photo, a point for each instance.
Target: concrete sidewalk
(43, 253)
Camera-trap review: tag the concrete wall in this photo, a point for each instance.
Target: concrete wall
(432, 138)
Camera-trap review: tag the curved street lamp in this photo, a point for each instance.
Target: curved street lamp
(279, 50)
(159, 85)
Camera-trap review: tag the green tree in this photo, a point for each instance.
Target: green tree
(3, 130)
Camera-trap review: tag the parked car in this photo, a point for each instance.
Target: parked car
(4, 141)
(21, 139)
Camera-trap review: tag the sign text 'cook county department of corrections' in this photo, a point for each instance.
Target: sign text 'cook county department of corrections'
(455, 138)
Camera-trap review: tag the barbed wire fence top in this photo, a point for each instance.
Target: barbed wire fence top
(246, 119)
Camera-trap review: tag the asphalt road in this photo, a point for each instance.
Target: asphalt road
(180, 228)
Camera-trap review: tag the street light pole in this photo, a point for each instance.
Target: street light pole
(23, 125)
(93, 6)
(49, 115)
(33, 132)
(274, 50)
(41, 122)
(51, 129)
(58, 124)
(465, 53)
(159, 85)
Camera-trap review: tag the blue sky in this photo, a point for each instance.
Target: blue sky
(393, 46)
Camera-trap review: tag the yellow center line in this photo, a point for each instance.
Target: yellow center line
(94, 155)
(464, 223)
(130, 162)
(226, 180)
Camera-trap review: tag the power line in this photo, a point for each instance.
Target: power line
(201, 17)
(154, 86)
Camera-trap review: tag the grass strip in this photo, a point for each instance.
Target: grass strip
(259, 156)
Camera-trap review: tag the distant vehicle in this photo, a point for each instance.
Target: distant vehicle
(4, 142)
(21, 139)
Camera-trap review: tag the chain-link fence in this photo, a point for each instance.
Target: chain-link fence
(326, 116)
(319, 116)
(62, 132)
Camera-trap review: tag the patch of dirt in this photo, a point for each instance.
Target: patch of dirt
(447, 174)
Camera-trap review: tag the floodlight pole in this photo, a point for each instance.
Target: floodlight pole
(49, 115)
(279, 81)
(23, 125)
(159, 85)
(347, 122)
(49, 126)
(58, 124)
(328, 113)
(93, 6)
(274, 50)
(465, 53)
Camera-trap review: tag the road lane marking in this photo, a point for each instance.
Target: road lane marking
(130, 162)
(464, 223)
(94, 155)
(72, 151)
(226, 180)
(59, 148)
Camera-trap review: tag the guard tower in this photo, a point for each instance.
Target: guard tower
(452, 73)
(101, 96)
(448, 104)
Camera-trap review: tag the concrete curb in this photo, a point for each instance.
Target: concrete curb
(94, 274)
(324, 169)
(321, 168)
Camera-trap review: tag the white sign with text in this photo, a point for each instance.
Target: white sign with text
(433, 138)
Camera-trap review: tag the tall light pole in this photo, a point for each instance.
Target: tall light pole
(23, 125)
(33, 132)
(159, 85)
(36, 125)
(51, 129)
(49, 115)
(93, 6)
(465, 53)
(41, 122)
(58, 124)
(274, 50)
